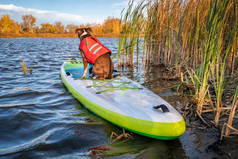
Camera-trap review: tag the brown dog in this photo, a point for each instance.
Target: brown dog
(95, 53)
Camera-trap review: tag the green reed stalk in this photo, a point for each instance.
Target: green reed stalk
(233, 111)
(210, 53)
(220, 61)
(133, 21)
(197, 35)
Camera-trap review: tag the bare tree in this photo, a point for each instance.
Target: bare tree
(28, 22)
(60, 27)
(71, 28)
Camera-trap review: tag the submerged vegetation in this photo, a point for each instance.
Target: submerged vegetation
(195, 39)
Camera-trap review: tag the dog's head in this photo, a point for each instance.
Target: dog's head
(83, 32)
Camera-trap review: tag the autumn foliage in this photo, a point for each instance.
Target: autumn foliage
(111, 26)
(7, 25)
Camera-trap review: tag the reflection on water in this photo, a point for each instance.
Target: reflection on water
(39, 117)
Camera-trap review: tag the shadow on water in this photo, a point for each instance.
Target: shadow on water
(136, 147)
(142, 147)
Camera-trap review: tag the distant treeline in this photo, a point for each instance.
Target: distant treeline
(8, 27)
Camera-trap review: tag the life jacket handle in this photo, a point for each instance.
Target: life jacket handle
(94, 39)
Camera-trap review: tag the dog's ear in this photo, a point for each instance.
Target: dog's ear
(76, 30)
(89, 30)
(79, 31)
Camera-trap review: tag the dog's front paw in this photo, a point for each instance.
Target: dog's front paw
(83, 77)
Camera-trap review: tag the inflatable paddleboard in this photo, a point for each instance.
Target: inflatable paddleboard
(124, 103)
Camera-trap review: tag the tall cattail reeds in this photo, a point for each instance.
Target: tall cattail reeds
(133, 20)
(196, 36)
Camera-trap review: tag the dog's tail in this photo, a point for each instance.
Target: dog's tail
(110, 69)
(117, 75)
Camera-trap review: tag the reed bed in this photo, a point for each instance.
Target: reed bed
(196, 39)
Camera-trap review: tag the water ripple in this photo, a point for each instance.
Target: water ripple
(38, 116)
(41, 140)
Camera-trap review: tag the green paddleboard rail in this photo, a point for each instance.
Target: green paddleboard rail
(157, 130)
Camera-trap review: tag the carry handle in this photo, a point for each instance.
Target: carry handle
(163, 107)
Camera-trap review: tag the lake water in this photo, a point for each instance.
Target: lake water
(39, 118)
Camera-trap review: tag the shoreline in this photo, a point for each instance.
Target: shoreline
(50, 35)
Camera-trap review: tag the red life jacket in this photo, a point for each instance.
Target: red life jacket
(92, 49)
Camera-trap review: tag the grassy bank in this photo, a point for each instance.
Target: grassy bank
(49, 35)
(35, 35)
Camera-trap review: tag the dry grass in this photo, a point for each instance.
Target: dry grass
(196, 37)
